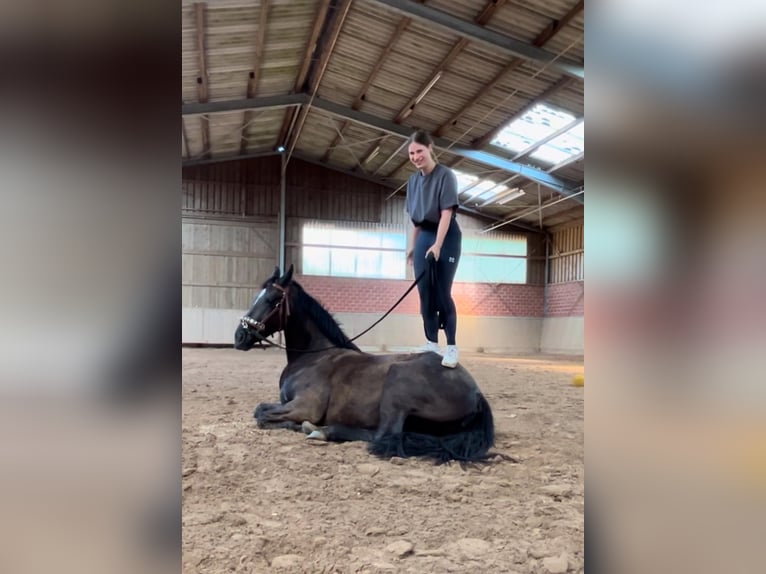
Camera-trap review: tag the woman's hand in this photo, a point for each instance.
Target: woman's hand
(436, 250)
(410, 256)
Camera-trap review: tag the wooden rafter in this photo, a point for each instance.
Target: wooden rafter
(391, 156)
(370, 150)
(482, 18)
(325, 49)
(401, 27)
(543, 38)
(556, 25)
(290, 113)
(255, 73)
(335, 142)
(185, 137)
(397, 168)
(311, 47)
(202, 82)
(408, 108)
(456, 162)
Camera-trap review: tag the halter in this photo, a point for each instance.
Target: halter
(282, 309)
(247, 322)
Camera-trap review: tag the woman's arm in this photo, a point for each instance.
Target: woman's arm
(412, 238)
(441, 233)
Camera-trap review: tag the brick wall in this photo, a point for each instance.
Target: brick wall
(350, 295)
(566, 299)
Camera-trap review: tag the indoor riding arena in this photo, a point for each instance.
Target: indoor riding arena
(296, 116)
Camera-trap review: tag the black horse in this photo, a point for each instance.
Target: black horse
(403, 405)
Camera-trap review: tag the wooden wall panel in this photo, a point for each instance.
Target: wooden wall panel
(224, 261)
(536, 259)
(566, 255)
(231, 209)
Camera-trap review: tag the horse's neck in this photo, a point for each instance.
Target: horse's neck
(305, 335)
(303, 331)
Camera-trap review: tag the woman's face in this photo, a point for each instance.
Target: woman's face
(420, 155)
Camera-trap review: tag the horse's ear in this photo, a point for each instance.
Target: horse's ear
(287, 277)
(274, 275)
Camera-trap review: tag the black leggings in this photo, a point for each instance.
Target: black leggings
(446, 267)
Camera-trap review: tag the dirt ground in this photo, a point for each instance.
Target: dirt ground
(272, 501)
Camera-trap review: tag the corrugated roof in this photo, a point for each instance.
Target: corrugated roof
(478, 91)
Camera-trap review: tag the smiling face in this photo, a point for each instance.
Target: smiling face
(420, 156)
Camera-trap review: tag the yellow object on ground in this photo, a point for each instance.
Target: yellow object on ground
(578, 381)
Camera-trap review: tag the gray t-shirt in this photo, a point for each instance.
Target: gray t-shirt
(428, 195)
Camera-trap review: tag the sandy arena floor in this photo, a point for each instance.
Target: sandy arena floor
(271, 501)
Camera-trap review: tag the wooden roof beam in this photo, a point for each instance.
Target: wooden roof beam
(291, 113)
(489, 159)
(475, 33)
(185, 138)
(255, 74)
(360, 97)
(481, 19)
(390, 157)
(327, 45)
(373, 149)
(335, 143)
(549, 32)
(202, 80)
(397, 168)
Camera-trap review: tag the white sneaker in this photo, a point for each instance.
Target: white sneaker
(429, 346)
(450, 357)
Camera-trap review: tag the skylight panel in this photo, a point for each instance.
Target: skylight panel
(481, 192)
(464, 180)
(539, 123)
(485, 186)
(568, 144)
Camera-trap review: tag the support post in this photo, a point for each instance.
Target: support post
(282, 215)
(282, 220)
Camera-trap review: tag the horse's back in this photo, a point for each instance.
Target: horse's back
(354, 385)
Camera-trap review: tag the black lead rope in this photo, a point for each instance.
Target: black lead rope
(407, 292)
(431, 268)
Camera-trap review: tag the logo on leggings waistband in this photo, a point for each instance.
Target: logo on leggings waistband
(451, 259)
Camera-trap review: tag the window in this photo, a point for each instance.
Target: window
(348, 250)
(501, 258)
(378, 252)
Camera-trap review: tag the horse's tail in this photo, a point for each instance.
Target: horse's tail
(470, 444)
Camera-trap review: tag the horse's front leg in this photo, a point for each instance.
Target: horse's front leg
(337, 433)
(270, 416)
(288, 415)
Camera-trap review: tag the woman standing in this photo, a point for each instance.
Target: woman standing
(432, 203)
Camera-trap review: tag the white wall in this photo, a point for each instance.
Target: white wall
(563, 335)
(395, 332)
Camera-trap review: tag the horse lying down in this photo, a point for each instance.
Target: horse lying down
(402, 404)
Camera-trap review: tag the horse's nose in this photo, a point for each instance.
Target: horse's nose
(247, 322)
(241, 337)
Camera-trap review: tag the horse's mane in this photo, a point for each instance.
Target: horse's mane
(321, 317)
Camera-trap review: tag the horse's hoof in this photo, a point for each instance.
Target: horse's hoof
(316, 435)
(308, 428)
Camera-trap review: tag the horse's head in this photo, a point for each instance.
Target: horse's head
(268, 311)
